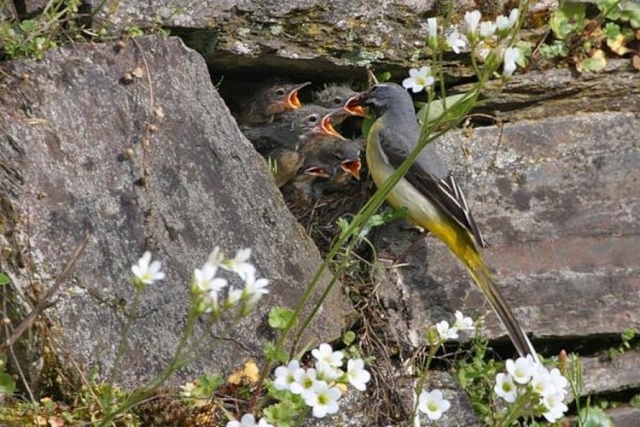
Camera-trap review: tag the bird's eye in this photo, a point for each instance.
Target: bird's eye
(312, 119)
(337, 100)
(280, 91)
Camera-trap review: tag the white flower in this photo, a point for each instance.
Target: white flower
(446, 332)
(455, 40)
(254, 289)
(462, 322)
(216, 257)
(188, 390)
(432, 27)
(204, 279)
(418, 80)
(511, 56)
(206, 286)
(324, 353)
(323, 400)
(503, 23)
(285, 375)
(559, 381)
(240, 265)
(235, 295)
(248, 420)
(147, 272)
(522, 369)
(303, 382)
(487, 29)
(513, 17)
(472, 20)
(505, 387)
(326, 372)
(554, 403)
(433, 404)
(541, 382)
(357, 375)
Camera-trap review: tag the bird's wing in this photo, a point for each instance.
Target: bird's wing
(429, 175)
(272, 136)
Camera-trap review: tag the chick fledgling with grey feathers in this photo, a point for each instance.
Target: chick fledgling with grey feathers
(329, 165)
(285, 140)
(270, 98)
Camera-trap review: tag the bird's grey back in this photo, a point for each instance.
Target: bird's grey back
(403, 127)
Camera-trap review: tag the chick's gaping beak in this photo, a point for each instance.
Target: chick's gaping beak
(292, 102)
(353, 106)
(352, 167)
(317, 171)
(327, 127)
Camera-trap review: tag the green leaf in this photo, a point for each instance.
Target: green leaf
(631, 12)
(436, 109)
(526, 48)
(28, 26)
(594, 417)
(568, 19)
(7, 384)
(366, 125)
(384, 77)
(594, 64)
(348, 337)
(4, 279)
(609, 8)
(557, 50)
(134, 31)
(627, 336)
(611, 30)
(282, 414)
(343, 225)
(275, 354)
(280, 317)
(209, 383)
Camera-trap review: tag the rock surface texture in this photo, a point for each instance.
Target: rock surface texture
(134, 146)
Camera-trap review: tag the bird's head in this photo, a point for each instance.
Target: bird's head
(283, 97)
(334, 95)
(311, 122)
(380, 98)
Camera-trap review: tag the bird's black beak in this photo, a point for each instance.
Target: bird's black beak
(353, 106)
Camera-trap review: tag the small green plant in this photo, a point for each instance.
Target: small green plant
(586, 40)
(7, 383)
(60, 22)
(33, 37)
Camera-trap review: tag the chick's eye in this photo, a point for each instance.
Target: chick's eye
(312, 119)
(337, 101)
(280, 91)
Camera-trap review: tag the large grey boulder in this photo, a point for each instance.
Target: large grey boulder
(133, 144)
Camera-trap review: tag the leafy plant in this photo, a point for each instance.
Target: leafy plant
(586, 39)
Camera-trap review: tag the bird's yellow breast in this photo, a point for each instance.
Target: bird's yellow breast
(421, 211)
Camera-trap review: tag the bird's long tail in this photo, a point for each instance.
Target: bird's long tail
(480, 274)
